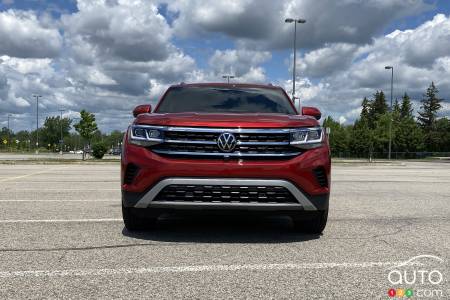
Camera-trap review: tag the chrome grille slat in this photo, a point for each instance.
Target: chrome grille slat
(252, 143)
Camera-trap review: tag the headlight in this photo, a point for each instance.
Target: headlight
(143, 135)
(307, 138)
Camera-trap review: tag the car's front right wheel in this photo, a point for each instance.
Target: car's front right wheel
(313, 223)
(135, 222)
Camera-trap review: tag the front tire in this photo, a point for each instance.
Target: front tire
(312, 224)
(135, 222)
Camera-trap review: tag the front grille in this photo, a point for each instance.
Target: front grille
(212, 148)
(190, 136)
(268, 138)
(225, 194)
(200, 142)
(321, 176)
(130, 173)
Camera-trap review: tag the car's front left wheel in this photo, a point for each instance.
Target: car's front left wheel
(135, 222)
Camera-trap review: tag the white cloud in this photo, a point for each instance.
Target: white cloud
(327, 60)
(132, 31)
(23, 35)
(260, 23)
(238, 62)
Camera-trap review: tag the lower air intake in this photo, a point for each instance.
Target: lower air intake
(130, 173)
(321, 176)
(225, 194)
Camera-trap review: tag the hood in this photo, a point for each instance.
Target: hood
(256, 120)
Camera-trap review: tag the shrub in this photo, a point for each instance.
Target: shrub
(99, 150)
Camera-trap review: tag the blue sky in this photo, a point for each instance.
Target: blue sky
(109, 55)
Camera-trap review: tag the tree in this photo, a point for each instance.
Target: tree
(87, 127)
(408, 135)
(24, 139)
(406, 109)
(51, 131)
(99, 150)
(361, 139)
(442, 135)
(5, 135)
(365, 109)
(427, 116)
(378, 107)
(381, 133)
(339, 137)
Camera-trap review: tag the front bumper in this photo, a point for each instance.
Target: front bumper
(295, 174)
(149, 199)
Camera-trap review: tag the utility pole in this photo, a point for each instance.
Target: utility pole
(390, 109)
(61, 131)
(228, 77)
(295, 21)
(37, 122)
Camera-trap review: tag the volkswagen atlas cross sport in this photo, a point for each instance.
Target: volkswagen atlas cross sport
(233, 147)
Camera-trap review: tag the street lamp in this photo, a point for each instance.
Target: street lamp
(228, 77)
(295, 21)
(37, 122)
(390, 109)
(61, 131)
(9, 134)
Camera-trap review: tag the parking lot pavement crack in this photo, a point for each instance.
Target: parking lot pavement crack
(63, 255)
(398, 229)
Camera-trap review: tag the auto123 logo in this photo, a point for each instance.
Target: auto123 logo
(417, 277)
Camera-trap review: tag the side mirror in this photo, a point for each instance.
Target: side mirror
(142, 109)
(311, 111)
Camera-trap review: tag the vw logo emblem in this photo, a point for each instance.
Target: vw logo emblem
(226, 142)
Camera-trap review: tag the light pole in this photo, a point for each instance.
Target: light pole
(9, 134)
(390, 109)
(61, 131)
(295, 21)
(228, 77)
(37, 122)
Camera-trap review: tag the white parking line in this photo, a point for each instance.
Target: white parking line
(62, 221)
(28, 175)
(187, 269)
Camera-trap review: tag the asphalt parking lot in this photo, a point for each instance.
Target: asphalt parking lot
(61, 236)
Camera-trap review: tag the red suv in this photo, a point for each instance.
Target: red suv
(229, 147)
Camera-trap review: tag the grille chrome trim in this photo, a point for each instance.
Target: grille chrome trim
(191, 142)
(147, 199)
(225, 154)
(233, 130)
(238, 143)
(263, 143)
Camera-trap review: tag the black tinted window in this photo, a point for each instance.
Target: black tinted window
(226, 100)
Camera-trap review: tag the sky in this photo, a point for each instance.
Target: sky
(107, 56)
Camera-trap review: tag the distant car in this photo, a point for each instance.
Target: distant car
(115, 151)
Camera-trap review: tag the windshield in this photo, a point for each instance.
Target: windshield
(225, 100)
